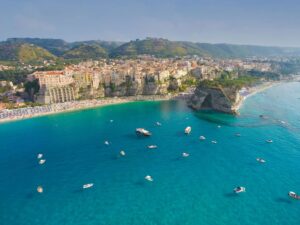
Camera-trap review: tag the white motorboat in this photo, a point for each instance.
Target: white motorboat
(148, 178)
(184, 154)
(294, 195)
(202, 138)
(219, 126)
(40, 189)
(269, 141)
(152, 146)
(143, 132)
(42, 161)
(40, 155)
(260, 160)
(106, 142)
(158, 123)
(239, 189)
(214, 142)
(188, 130)
(122, 153)
(85, 186)
(238, 135)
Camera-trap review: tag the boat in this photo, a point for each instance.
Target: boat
(40, 189)
(269, 141)
(260, 160)
(238, 134)
(39, 156)
(184, 154)
(106, 142)
(214, 142)
(202, 138)
(188, 130)
(85, 186)
(294, 195)
(143, 132)
(148, 178)
(122, 153)
(152, 146)
(111, 121)
(158, 123)
(42, 161)
(239, 189)
(219, 126)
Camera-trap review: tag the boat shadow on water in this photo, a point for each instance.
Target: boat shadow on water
(231, 195)
(283, 200)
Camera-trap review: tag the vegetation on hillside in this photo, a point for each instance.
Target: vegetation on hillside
(153, 46)
(227, 82)
(86, 52)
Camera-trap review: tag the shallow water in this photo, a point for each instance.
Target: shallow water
(196, 190)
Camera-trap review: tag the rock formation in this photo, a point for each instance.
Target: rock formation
(217, 98)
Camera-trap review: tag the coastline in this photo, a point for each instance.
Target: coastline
(10, 115)
(253, 91)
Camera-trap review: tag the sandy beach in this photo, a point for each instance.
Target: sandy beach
(250, 91)
(8, 115)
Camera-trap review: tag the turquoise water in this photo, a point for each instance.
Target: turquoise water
(194, 191)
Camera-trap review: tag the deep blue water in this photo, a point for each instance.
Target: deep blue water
(186, 191)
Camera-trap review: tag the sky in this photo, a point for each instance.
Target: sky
(257, 22)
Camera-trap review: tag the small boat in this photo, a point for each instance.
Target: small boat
(40, 189)
(106, 142)
(188, 130)
(39, 156)
(148, 178)
(152, 146)
(122, 153)
(263, 117)
(269, 141)
(158, 123)
(294, 195)
(239, 189)
(202, 138)
(260, 160)
(111, 121)
(85, 186)
(143, 132)
(184, 154)
(42, 161)
(219, 126)
(214, 142)
(282, 122)
(238, 134)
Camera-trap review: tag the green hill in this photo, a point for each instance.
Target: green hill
(93, 49)
(154, 46)
(85, 51)
(165, 48)
(25, 53)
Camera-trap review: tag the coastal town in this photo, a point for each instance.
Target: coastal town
(99, 82)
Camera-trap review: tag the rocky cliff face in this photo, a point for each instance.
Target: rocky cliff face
(149, 86)
(220, 99)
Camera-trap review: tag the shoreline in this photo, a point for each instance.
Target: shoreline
(10, 115)
(255, 90)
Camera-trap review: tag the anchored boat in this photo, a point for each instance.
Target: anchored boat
(188, 130)
(239, 189)
(143, 132)
(294, 195)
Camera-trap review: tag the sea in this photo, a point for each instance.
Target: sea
(194, 190)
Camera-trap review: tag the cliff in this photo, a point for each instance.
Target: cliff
(217, 98)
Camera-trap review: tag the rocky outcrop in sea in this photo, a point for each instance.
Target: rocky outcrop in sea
(217, 98)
